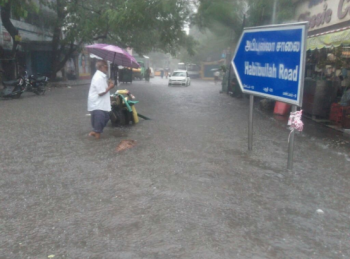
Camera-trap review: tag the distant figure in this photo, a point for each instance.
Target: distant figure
(83, 62)
(99, 103)
(147, 74)
(161, 73)
(216, 76)
(236, 89)
(166, 73)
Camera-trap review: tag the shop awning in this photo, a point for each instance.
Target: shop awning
(329, 39)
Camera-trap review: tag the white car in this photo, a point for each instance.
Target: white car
(179, 77)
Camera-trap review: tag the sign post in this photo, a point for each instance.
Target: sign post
(291, 145)
(270, 62)
(250, 123)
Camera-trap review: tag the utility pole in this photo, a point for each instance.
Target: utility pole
(273, 20)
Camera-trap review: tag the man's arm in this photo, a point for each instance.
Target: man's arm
(110, 86)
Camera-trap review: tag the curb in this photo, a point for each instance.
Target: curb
(69, 83)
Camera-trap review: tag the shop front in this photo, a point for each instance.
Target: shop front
(327, 82)
(33, 51)
(208, 68)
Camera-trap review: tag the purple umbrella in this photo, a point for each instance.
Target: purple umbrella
(133, 60)
(114, 54)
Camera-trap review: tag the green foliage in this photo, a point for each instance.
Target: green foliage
(227, 14)
(220, 23)
(21, 8)
(208, 45)
(143, 25)
(260, 11)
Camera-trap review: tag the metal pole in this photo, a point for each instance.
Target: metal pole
(114, 71)
(229, 79)
(273, 21)
(291, 145)
(250, 126)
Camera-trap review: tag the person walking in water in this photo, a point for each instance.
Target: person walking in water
(216, 76)
(99, 102)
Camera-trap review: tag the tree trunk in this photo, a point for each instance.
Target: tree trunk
(60, 54)
(10, 70)
(55, 52)
(5, 18)
(56, 39)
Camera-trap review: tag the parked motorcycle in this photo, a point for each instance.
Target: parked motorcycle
(34, 84)
(15, 88)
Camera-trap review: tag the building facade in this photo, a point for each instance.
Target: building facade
(328, 58)
(35, 47)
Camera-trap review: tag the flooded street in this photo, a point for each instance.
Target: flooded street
(189, 188)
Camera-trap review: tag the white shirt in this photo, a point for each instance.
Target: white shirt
(99, 85)
(217, 73)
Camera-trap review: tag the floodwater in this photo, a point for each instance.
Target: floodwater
(188, 189)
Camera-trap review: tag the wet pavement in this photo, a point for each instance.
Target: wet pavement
(188, 189)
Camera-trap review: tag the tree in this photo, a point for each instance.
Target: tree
(224, 19)
(260, 12)
(219, 23)
(19, 8)
(221, 16)
(208, 47)
(143, 25)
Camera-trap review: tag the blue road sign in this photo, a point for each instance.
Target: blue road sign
(270, 62)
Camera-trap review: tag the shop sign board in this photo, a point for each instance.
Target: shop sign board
(270, 62)
(321, 14)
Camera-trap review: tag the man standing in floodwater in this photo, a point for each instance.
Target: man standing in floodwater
(99, 102)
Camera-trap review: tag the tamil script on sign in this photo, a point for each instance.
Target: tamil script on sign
(272, 46)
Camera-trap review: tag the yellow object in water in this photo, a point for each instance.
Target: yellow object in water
(122, 91)
(134, 114)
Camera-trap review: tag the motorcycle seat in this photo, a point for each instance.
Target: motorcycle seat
(11, 82)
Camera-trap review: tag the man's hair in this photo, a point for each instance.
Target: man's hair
(100, 64)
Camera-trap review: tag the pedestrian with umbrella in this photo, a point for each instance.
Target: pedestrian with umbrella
(99, 102)
(114, 54)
